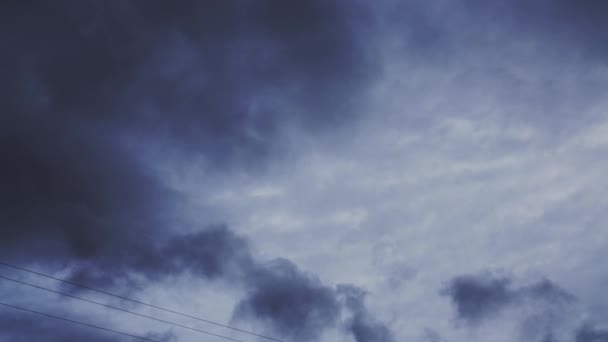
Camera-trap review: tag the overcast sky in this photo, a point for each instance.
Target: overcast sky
(314, 170)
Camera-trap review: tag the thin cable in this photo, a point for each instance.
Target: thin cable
(138, 302)
(77, 322)
(119, 309)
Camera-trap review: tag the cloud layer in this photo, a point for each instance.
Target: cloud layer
(317, 170)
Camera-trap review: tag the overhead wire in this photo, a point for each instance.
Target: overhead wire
(119, 309)
(139, 302)
(78, 322)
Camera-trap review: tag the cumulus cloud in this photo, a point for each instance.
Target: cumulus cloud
(363, 326)
(479, 297)
(217, 78)
(292, 303)
(213, 253)
(590, 333)
(93, 90)
(90, 88)
(542, 310)
(297, 306)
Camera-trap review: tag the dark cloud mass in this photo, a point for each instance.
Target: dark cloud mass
(69, 197)
(546, 312)
(218, 77)
(477, 297)
(213, 253)
(573, 24)
(298, 307)
(87, 84)
(97, 96)
(362, 325)
(89, 88)
(294, 304)
(590, 333)
(480, 297)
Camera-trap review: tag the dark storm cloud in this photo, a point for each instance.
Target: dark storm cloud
(298, 307)
(288, 302)
(87, 84)
(590, 333)
(220, 77)
(442, 31)
(573, 24)
(476, 297)
(295, 305)
(362, 325)
(64, 195)
(364, 329)
(213, 253)
(89, 88)
(479, 297)
(95, 210)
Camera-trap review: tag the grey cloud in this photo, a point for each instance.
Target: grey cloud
(479, 297)
(590, 333)
(546, 291)
(570, 23)
(442, 31)
(65, 196)
(552, 315)
(364, 329)
(549, 338)
(476, 297)
(89, 87)
(206, 75)
(537, 57)
(432, 336)
(92, 207)
(290, 303)
(362, 325)
(295, 305)
(215, 253)
(167, 336)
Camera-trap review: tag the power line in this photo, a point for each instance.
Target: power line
(119, 309)
(77, 322)
(139, 302)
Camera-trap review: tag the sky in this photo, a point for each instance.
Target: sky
(319, 170)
